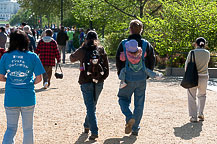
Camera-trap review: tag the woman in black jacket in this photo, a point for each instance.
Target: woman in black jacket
(90, 89)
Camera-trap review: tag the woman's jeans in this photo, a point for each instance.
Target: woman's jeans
(192, 93)
(90, 102)
(12, 114)
(125, 94)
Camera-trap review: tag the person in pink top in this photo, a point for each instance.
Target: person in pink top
(134, 55)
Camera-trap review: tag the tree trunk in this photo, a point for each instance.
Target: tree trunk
(40, 24)
(91, 24)
(141, 9)
(103, 31)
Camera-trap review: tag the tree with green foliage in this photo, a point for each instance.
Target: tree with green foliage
(169, 25)
(172, 26)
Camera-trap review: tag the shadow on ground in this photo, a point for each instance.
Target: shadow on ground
(125, 140)
(189, 130)
(82, 139)
(42, 89)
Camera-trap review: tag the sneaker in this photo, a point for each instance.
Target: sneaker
(93, 137)
(122, 84)
(86, 130)
(134, 133)
(129, 125)
(159, 76)
(193, 119)
(201, 117)
(45, 86)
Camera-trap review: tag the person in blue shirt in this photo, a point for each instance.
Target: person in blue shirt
(21, 66)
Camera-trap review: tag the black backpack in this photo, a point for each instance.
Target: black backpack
(93, 65)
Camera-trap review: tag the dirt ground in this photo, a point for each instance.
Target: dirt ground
(60, 112)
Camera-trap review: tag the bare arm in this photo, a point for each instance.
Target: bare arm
(2, 78)
(38, 79)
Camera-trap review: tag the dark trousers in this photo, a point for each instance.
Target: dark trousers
(47, 76)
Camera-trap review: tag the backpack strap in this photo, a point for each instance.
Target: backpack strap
(144, 46)
(125, 53)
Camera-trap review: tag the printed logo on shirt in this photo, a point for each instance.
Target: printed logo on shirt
(18, 70)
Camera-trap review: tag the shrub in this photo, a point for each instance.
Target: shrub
(111, 42)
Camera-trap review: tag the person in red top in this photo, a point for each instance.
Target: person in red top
(48, 52)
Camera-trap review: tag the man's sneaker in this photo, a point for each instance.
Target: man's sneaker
(93, 137)
(159, 76)
(193, 119)
(135, 133)
(45, 86)
(122, 84)
(201, 117)
(86, 130)
(129, 125)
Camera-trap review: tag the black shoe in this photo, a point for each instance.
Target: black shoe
(93, 137)
(135, 133)
(86, 130)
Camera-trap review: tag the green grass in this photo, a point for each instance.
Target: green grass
(4, 22)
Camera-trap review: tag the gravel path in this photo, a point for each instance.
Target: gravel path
(60, 112)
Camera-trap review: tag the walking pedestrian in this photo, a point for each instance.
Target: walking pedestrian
(7, 29)
(3, 38)
(90, 89)
(81, 36)
(32, 44)
(135, 80)
(48, 52)
(19, 65)
(61, 41)
(202, 57)
(70, 45)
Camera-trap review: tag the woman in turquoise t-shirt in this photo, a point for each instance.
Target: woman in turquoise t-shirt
(19, 64)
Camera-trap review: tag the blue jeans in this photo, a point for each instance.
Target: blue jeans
(12, 114)
(90, 102)
(70, 46)
(125, 94)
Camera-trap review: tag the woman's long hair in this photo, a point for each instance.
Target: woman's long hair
(19, 41)
(91, 41)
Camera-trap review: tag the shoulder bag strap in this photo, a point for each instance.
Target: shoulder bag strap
(193, 56)
(60, 68)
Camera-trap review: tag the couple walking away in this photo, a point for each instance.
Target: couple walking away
(135, 80)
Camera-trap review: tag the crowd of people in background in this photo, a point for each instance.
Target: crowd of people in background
(64, 40)
(75, 36)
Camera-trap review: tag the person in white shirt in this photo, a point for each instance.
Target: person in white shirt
(7, 29)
